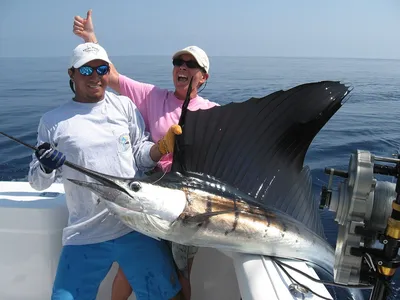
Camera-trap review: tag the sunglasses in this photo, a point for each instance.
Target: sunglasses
(100, 70)
(191, 64)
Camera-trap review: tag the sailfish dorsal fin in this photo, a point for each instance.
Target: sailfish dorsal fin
(258, 146)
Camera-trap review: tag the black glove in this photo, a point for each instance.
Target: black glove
(49, 158)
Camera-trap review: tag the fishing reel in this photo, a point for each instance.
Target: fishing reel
(368, 215)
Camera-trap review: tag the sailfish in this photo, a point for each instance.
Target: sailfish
(238, 180)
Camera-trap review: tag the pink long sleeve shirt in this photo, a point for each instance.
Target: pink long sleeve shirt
(160, 109)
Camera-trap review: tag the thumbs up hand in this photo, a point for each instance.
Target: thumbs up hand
(84, 28)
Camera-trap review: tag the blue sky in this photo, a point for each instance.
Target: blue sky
(311, 28)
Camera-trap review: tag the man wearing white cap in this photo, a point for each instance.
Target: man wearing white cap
(103, 132)
(160, 109)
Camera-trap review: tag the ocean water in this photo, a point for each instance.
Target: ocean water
(368, 121)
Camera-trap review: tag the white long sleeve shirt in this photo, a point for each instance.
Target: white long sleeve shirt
(108, 137)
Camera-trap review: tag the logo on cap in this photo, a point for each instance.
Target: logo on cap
(91, 49)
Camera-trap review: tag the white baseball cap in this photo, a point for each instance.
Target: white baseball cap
(86, 52)
(199, 55)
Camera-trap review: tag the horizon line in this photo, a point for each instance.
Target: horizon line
(233, 56)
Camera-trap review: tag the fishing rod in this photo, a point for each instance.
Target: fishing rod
(67, 163)
(18, 141)
(185, 104)
(179, 151)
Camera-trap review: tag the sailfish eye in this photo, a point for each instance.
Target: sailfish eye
(135, 186)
